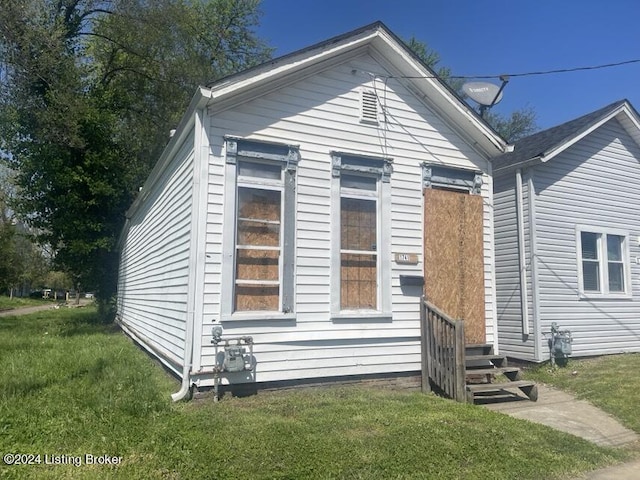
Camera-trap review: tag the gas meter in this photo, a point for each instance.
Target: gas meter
(236, 356)
(234, 360)
(560, 343)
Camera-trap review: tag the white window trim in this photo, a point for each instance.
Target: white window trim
(273, 185)
(367, 195)
(603, 263)
(258, 151)
(383, 223)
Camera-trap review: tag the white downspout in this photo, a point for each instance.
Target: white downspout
(185, 387)
(522, 264)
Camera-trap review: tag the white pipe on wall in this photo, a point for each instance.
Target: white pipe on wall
(522, 263)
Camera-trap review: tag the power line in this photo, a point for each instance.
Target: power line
(530, 74)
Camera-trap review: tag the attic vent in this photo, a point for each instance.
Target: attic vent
(369, 107)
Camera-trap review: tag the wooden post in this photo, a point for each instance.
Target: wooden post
(460, 376)
(425, 353)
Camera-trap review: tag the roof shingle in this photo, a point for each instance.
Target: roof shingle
(540, 143)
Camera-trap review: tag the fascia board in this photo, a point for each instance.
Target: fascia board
(622, 110)
(221, 101)
(282, 71)
(438, 97)
(512, 166)
(628, 118)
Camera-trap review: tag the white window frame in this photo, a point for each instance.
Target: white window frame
(268, 153)
(603, 263)
(367, 195)
(380, 169)
(257, 183)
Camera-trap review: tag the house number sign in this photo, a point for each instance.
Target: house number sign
(406, 258)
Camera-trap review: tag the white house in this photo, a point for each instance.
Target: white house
(289, 207)
(568, 236)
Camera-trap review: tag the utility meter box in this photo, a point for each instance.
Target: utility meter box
(234, 358)
(562, 343)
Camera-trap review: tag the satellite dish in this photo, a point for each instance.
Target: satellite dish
(485, 93)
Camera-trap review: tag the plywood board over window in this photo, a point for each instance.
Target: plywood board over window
(259, 242)
(453, 258)
(361, 239)
(258, 249)
(358, 244)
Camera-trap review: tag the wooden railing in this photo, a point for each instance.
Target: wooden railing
(443, 352)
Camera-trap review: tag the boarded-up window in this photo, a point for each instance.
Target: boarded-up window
(258, 239)
(257, 278)
(358, 243)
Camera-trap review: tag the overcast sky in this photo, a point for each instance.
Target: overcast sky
(494, 37)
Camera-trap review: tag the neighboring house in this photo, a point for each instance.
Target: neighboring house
(568, 236)
(288, 206)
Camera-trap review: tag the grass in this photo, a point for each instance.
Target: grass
(610, 382)
(71, 386)
(7, 303)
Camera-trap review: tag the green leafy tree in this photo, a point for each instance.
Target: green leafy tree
(22, 263)
(57, 281)
(89, 90)
(518, 124)
(8, 268)
(515, 126)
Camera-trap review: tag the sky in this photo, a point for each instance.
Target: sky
(493, 37)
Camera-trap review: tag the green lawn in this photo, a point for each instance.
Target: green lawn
(71, 386)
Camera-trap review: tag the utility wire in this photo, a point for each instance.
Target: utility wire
(529, 74)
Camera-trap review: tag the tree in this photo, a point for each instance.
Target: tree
(8, 268)
(89, 90)
(513, 127)
(519, 124)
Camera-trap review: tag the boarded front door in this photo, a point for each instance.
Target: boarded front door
(454, 258)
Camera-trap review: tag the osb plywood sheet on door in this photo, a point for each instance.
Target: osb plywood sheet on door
(453, 258)
(441, 250)
(473, 270)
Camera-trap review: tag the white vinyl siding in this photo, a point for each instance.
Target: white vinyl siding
(512, 339)
(321, 114)
(593, 187)
(154, 261)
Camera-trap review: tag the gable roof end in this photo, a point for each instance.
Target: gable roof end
(374, 38)
(543, 146)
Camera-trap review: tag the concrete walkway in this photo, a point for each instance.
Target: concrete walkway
(39, 308)
(626, 471)
(562, 411)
